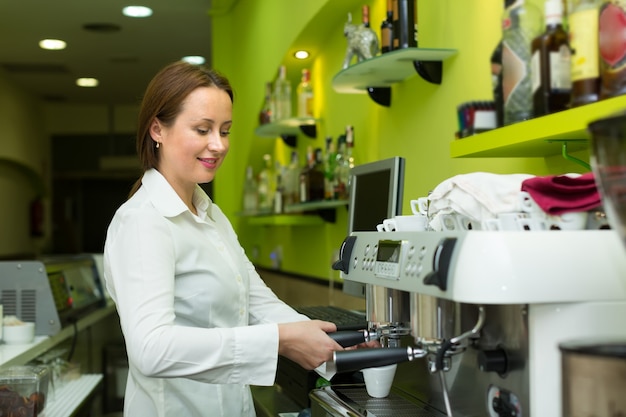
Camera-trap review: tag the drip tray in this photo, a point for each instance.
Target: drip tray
(353, 400)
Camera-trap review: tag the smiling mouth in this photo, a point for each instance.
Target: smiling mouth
(211, 161)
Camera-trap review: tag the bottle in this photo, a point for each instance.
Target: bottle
(407, 24)
(386, 30)
(250, 192)
(496, 77)
(304, 92)
(282, 95)
(266, 185)
(583, 28)
(345, 164)
(339, 187)
(279, 192)
(551, 64)
(330, 158)
(291, 180)
(521, 24)
(366, 34)
(266, 112)
(312, 178)
(611, 30)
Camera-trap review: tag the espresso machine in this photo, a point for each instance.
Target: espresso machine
(479, 314)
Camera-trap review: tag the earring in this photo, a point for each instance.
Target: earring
(158, 144)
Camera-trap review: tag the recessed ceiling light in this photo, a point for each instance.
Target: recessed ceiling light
(52, 44)
(301, 54)
(194, 59)
(137, 11)
(87, 82)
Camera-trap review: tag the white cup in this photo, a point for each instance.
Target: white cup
(411, 223)
(378, 380)
(420, 206)
(506, 221)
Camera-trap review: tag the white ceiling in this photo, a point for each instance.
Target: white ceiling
(124, 61)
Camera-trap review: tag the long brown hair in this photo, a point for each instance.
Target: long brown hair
(163, 100)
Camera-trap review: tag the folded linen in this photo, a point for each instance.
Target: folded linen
(477, 195)
(559, 194)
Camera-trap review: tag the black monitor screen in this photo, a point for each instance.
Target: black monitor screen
(375, 195)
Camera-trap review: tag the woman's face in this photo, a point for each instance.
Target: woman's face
(193, 148)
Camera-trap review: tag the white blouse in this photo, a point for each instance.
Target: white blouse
(198, 321)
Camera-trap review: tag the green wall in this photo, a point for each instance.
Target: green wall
(255, 37)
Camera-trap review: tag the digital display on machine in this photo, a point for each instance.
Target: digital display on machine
(388, 251)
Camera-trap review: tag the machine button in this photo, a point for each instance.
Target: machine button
(367, 249)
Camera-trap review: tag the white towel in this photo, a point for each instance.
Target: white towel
(478, 195)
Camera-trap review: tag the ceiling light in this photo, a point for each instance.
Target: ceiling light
(194, 59)
(87, 82)
(52, 44)
(137, 11)
(301, 54)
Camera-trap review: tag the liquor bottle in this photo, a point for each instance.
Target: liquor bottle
(311, 178)
(496, 77)
(551, 64)
(267, 185)
(345, 164)
(520, 25)
(291, 180)
(265, 116)
(583, 29)
(386, 30)
(280, 189)
(407, 23)
(339, 188)
(250, 192)
(304, 92)
(329, 169)
(282, 95)
(612, 31)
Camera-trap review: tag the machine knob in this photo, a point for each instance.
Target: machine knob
(345, 253)
(441, 264)
(494, 360)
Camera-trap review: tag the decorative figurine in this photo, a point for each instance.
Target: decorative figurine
(362, 40)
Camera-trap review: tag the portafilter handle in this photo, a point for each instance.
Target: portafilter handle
(347, 338)
(357, 359)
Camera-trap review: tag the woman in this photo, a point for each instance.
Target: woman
(198, 321)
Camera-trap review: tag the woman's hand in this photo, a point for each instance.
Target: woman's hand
(306, 342)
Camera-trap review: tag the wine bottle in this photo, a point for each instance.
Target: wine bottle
(551, 64)
(583, 28)
(386, 30)
(407, 19)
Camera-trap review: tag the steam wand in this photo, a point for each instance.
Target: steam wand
(446, 346)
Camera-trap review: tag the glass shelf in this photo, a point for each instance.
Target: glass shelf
(539, 137)
(390, 68)
(303, 214)
(288, 127)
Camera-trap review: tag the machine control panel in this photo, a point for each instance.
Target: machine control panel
(404, 261)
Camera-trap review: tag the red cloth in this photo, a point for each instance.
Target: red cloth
(558, 194)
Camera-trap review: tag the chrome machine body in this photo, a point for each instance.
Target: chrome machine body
(489, 308)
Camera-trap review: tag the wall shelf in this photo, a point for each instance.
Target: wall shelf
(289, 129)
(314, 213)
(539, 137)
(375, 76)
